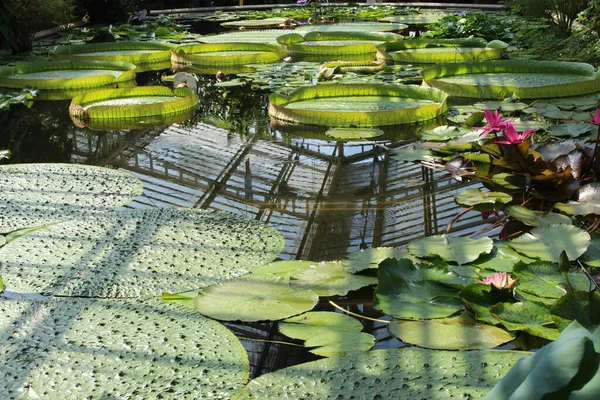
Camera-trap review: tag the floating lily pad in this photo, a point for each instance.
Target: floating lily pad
(332, 334)
(545, 279)
(37, 194)
(530, 317)
(413, 19)
(440, 133)
(82, 348)
(247, 36)
(592, 255)
(479, 299)
(509, 181)
(548, 241)
(353, 133)
(254, 298)
(282, 268)
(580, 306)
(501, 259)
(455, 333)
(536, 218)
(577, 208)
(353, 27)
(573, 129)
(406, 373)
(477, 197)
(227, 54)
(451, 275)
(329, 279)
(265, 23)
(370, 258)
(135, 253)
(412, 154)
(461, 250)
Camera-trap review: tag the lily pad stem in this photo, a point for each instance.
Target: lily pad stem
(596, 147)
(357, 315)
(457, 216)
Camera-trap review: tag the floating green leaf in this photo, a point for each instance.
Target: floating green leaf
(474, 197)
(479, 298)
(282, 268)
(573, 129)
(332, 334)
(548, 241)
(536, 218)
(353, 133)
(370, 258)
(254, 298)
(545, 279)
(329, 279)
(530, 317)
(501, 259)
(411, 154)
(577, 208)
(440, 133)
(592, 255)
(142, 252)
(451, 275)
(82, 348)
(454, 333)
(406, 373)
(461, 250)
(580, 306)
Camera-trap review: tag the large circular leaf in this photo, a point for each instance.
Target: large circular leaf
(329, 279)
(406, 373)
(81, 348)
(254, 298)
(548, 241)
(135, 253)
(536, 218)
(37, 194)
(451, 248)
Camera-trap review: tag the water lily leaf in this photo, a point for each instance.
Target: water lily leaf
(455, 333)
(440, 133)
(451, 275)
(120, 349)
(509, 181)
(550, 151)
(592, 255)
(333, 334)
(530, 317)
(584, 307)
(577, 208)
(479, 298)
(329, 279)
(536, 218)
(544, 279)
(523, 125)
(474, 197)
(573, 129)
(461, 250)
(353, 133)
(428, 374)
(370, 258)
(512, 107)
(501, 259)
(134, 253)
(254, 298)
(413, 300)
(37, 194)
(548, 241)
(282, 268)
(411, 154)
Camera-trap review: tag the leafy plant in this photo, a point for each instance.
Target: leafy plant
(466, 24)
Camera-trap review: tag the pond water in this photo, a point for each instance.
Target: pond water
(327, 198)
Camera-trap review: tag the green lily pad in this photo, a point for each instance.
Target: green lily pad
(479, 298)
(548, 241)
(455, 333)
(461, 250)
(509, 181)
(254, 298)
(134, 253)
(80, 348)
(536, 218)
(474, 197)
(573, 129)
(403, 299)
(353, 133)
(329, 279)
(411, 154)
(530, 317)
(282, 268)
(406, 373)
(584, 307)
(370, 258)
(501, 259)
(37, 194)
(333, 334)
(544, 279)
(592, 255)
(451, 275)
(440, 133)
(577, 208)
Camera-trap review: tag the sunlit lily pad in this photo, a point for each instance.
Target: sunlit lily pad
(370, 258)
(592, 255)
(584, 307)
(573, 129)
(451, 248)
(479, 298)
(451, 275)
(536, 218)
(254, 298)
(36, 194)
(285, 268)
(406, 373)
(577, 208)
(530, 317)
(501, 259)
(440, 133)
(81, 348)
(455, 333)
(353, 133)
(329, 279)
(548, 241)
(333, 334)
(474, 197)
(545, 279)
(134, 253)
(509, 181)
(412, 154)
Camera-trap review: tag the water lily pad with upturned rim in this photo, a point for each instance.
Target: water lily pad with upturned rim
(227, 54)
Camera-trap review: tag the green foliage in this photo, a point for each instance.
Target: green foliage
(25, 97)
(478, 24)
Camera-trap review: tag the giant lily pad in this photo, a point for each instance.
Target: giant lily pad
(135, 253)
(81, 348)
(329, 279)
(548, 241)
(357, 105)
(247, 36)
(227, 54)
(461, 250)
(254, 24)
(254, 298)
(524, 79)
(332, 334)
(353, 27)
(37, 194)
(455, 333)
(435, 51)
(528, 316)
(406, 373)
(335, 44)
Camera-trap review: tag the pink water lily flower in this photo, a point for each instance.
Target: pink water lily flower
(511, 136)
(500, 280)
(595, 117)
(494, 120)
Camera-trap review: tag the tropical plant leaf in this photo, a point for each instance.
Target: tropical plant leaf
(37, 194)
(580, 306)
(284, 269)
(548, 241)
(440, 133)
(411, 154)
(479, 298)
(455, 333)
(329, 279)
(413, 300)
(134, 253)
(150, 339)
(544, 279)
(501, 259)
(425, 374)
(451, 275)
(476, 197)
(530, 317)
(573, 129)
(370, 258)
(577, 208)
(592, 255)
(353, 133)
(461, 250)
(254, 298)
(332, 334)
(536, 218)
